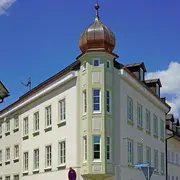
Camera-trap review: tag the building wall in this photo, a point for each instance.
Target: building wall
(173, 158)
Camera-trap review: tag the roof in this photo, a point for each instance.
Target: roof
(139, 64)
(43, 85)
(143, 84)
(152, 81)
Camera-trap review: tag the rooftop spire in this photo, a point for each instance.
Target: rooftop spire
(97, 9)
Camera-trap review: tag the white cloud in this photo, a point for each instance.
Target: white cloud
(4, 5)
(170, 79)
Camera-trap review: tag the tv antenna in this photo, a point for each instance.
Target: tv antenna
(28, 84)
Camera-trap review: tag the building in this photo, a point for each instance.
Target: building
(97, 116)
(3, 92)
(173, 147)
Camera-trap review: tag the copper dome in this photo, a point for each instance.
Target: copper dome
(97, 36)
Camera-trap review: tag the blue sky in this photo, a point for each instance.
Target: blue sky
(39, 38)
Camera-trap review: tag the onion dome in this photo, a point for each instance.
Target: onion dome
(97, 36)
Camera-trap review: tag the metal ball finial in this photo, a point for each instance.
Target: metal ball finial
(97, 9)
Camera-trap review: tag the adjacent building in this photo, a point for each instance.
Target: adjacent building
(97, 116)
(173, 147)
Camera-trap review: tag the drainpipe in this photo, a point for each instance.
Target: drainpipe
(167, 154)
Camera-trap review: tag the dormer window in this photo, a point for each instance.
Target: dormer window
(157, 90)
(141, 74)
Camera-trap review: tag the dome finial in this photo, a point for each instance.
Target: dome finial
(97, 8)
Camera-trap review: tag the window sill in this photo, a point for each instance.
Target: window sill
(130, 165)
(97, 161)
(155, 136)
(7, 133)
(35, 170)
(36, 133)
(25, 172)
(49, 128)
(61, 123)
(16, 160)
(61, 166)
(148, 132)
(25, 137)
(7, 162)
(47, 169)
(131, 123)
(162, 139)
(108, 113)
(84, 162)
(16, 129)
(96, 112)
(140, 128)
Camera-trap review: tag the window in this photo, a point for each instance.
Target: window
(176, 178)
(162, 163)
(130, 152)
(26, 128)
(168, 156)
(85, 148)
(7, 178)
(84, 66)
(1, 178)
(139, 153)
(36, 159)
(16, 177)
(148, 121)
(96, 62)
(36, 121)
(7, 157)
(0, 128)
(157, 90)
(7, 126)
(48, 156)
(172, 177)
(96, 148)
(172, 157)
(162, 129)
(96, 100)
(139, 115)
(62, 105)
(16, 122)
(16, 151)
(48, 116)
(108, 101)
(0, 156)
(141, 74)
(108, 64)
(177, 159)
(62, 152)
(130, 109)
(25, 161)
(155, 160)
(148, 155)
(155, 125)
(108, 149)
(84, 102)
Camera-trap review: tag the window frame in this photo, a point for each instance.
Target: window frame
(62, 110)
(110, 149)
(7, 154)
(85, 148)
(62, 153)
(48, 161)
(108, 105)
(99, 103)
(139, 115)
(7, 126)
(25, 126)
(26, 161)
(129, 102)
(97, 159)
(108, 64)
(155, 123)
(148, 157)
(1, 156)
(130, 158)
(84, 101)
(48, 116)
(36, 159)
(36, 121)
(16, 122)
(156, 163)
(16, 151)
(139, 156)
(148, 118)
(162, 128)
(162, 163)
(98, 60)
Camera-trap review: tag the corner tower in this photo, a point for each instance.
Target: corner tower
(96, 43)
